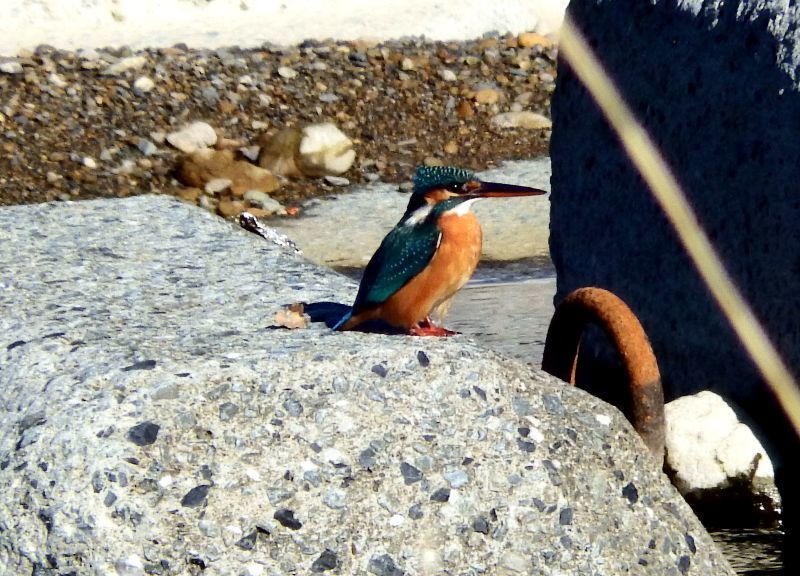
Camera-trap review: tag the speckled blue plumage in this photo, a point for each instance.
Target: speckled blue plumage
(403, 254)
(430, 177)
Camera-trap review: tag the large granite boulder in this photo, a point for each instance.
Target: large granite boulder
(154, 421)
(715, 84)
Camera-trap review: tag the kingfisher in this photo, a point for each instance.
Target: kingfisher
(429, 255)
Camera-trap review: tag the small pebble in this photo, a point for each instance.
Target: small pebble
(326, 561)
(124, 65)
(441, 495)
(522, 119)
(456, 478)
(410, 473)
(57, 80)
(143, 434)
(630, 493)
(337, 180)
(129, 566)
(335, 499)
(11, 67)
(193, 137)
(383, 565)
(143, 85)
(286, 518)
(196, 496)
(227, 411)
(146, 147)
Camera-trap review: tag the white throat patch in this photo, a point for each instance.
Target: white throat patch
(418, 215)
(463, 208)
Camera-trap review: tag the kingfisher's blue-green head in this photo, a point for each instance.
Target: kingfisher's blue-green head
(435, 184)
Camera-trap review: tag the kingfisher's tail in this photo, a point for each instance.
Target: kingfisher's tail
(343, 320)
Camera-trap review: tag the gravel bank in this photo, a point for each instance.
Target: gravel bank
(93, 123)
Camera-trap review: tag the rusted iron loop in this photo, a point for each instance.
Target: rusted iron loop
(605, 310)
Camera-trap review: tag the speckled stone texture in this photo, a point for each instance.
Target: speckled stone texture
(715, 84)
(155, 422)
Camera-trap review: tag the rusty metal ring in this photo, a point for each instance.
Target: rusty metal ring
(605, 310)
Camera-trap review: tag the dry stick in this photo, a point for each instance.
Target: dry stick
(667, 191)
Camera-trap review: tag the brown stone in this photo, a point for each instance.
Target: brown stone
(226, 107)
(206, 165)
(487, 96)
(259, 212)
(531, 39)
(230, 208)
(228, 143)
(451, 147)
(464, 110)
(311, 151)
(278, 151)
(189, 194)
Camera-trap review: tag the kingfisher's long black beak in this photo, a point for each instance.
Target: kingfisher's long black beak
(481, 189)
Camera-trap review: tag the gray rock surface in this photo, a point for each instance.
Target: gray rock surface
(155, 422)
(715, 84)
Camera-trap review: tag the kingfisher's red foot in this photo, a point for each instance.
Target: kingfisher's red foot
(427, 328)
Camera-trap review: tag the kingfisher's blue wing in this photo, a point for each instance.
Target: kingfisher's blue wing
(403, 254)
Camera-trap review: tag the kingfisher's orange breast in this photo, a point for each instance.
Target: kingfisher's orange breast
(450, 268)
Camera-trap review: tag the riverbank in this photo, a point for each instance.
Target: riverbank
(92, 123)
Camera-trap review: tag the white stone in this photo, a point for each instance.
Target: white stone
(324, 149)
(217, 185)
(262, 200)
(193, 137)
(286, 72)
(707, 446)
(738, 452)
(56, 80)
(397, 520)
(11, 67)
(130, 566)
(521, 119)
(89, 54)
(129, 63)
(337, 180)
(89, 162)
(602, 419)
(253, 569)
(448, 75)
(143, 84)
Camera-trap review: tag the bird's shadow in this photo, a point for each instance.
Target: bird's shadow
(331, 312)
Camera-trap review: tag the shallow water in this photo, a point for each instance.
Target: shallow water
(507, 316)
